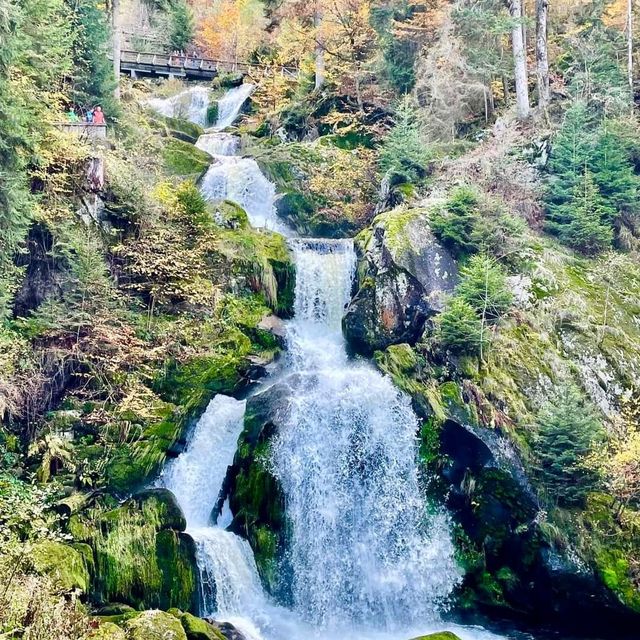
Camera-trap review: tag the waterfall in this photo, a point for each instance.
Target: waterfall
(362, 548)
(190, 104)
(369, 560)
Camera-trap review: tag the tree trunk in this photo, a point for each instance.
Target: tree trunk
(319, 52)
(542, 58)
(630, 43)
(117, 44)
(519, 60)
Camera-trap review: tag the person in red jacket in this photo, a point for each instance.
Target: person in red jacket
(98, 116)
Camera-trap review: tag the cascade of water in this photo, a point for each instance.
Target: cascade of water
(190, 104)
(362, 548)
(366, 557)
(230, 104)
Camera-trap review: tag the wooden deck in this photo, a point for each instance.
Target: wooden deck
(136, 64)
(85, 130)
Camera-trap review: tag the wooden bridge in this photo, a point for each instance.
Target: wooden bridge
(136, 64)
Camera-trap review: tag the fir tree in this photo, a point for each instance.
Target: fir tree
(459, 328)
(403, 153)
(568, 430)
(182, 26)
(613, 172)
(570, 153)
(483, 286)
(588, 214)
(455, 222)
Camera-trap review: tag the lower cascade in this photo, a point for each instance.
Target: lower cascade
(368, 558)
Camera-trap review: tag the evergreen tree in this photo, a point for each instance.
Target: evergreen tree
(483, 286)
(455, 222)
(613, 172)
(568, 430)
(588, 215)
(403, 155)
(459, 328)
(570, 154)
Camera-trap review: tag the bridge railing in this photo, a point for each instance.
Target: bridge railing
(189, 63)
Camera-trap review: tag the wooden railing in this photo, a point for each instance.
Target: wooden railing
(178, 64)
(86, 130)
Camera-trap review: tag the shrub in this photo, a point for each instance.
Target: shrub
(455, 221)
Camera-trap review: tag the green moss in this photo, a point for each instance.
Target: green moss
(395, 223)
(212, 112)
(442, 635)
(179, 128)
(139, 560)
(182, 158)
(198, 629)
(455, 407)
(107, 631)
(155, 625)
(62, 562)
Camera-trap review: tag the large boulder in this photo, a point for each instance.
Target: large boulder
(67, 565)
(143, 557)
(403, 276)
(155, 625)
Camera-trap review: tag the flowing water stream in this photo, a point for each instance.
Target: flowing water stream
(368, 560)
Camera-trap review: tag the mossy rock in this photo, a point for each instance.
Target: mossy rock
(133, 464)
(181, 129)
(212, 112)
(198, 629)
(139, 559)
(155, 625)
(107, 631)
(184, 159)
(62, 562)
(441, 635)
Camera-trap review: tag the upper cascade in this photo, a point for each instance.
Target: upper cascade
(230, 104)
(190, 104)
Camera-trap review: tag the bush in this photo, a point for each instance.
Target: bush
(459, 328)
(568, 430)
(483, 286)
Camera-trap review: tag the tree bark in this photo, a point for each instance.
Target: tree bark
(319, 52)
(519, 60)
(542, 57)
(117, 44)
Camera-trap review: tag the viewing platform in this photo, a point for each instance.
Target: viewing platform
(85, 130)
(137, 64)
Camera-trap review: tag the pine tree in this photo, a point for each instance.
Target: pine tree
(570, 153)
(182, 26)
(459, 328)
(589, 215)
(483, 285)
(568, 430)
(613, 172)
(455, 222)
(403, 153)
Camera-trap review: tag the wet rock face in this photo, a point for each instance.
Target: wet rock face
(404, 275)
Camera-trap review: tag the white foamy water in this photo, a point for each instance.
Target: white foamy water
(190, 104)
(230, 104)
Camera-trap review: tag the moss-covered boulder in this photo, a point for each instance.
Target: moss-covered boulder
(107, 631)
(155, 625)
(403, 275)
(143, 558)
(66, 565)
(199, 629)
(179, 128)
(441, 635)
(255, 495)
(185, 159)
